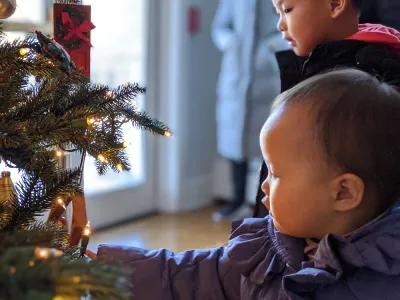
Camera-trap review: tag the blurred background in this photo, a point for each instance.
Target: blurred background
(176, 183)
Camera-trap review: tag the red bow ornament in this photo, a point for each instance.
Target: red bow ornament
(76, 31)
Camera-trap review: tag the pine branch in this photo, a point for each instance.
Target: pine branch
(11, 61)
(1, 30)
(35, 193)
(24, 238)
(142, 120)
(59, 237)
(25, 275)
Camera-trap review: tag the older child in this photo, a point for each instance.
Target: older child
(332, 148)
(325, 34)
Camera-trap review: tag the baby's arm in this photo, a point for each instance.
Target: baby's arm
(162, 274)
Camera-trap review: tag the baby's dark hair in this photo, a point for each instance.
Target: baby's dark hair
(357, 4)
(356, 120)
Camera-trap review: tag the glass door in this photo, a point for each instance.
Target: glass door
(120, 54)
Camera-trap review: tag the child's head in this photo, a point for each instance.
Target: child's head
(332, 147)
(307, 23)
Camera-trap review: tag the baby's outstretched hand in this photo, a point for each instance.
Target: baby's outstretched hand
(91, 254)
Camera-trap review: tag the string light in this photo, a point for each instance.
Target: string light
(109, 94)
(45, 253)
(87, 230)
(31, 263)
(60, 202)
(42, 253)
(167, 133)
(120, 167)
(122, 145)
(60, 153)
(84, 122)
(101, 158)
(85, 239)
(91, 120)
(24, 51)
(76, 279)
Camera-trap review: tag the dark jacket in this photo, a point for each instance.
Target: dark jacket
(379, 59)
(260, 263)
(385, 12)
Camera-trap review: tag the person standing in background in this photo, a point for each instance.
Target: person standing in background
(245, 32)
(385, 12)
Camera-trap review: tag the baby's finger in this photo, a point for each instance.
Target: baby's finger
(91, 254)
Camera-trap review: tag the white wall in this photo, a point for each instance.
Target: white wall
(187, 105)
(190, 172)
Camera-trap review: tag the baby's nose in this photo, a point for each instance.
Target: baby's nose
(265, 187)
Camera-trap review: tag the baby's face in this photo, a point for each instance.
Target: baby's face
(304, 23)
(298, 188)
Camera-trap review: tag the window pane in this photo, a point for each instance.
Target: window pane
(118, 56)
(29, 11)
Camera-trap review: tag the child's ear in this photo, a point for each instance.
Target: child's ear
(338, 7)
(348, 192)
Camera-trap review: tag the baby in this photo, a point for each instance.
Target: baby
(332, 147)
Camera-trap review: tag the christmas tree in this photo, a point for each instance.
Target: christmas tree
(47, 108)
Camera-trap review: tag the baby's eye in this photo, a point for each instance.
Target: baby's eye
(287, 10)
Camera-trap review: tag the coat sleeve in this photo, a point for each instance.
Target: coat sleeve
(223, 33)
(164, 275)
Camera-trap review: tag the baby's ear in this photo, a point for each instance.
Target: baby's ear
(338, 7)
(348, 192)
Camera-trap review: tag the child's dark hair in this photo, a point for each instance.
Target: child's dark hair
(357, 123)
(357, 4)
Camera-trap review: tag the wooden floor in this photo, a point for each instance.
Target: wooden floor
(192, 230)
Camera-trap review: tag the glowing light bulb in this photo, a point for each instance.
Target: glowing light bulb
(125, 144)
(43, 253)
(24, 51)
(167, 134)
(76, 279)
(59, 153)
(60, 202)
(101, 158)
(87, 230)
(120, 167)
(108, 93)
(91, 120)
